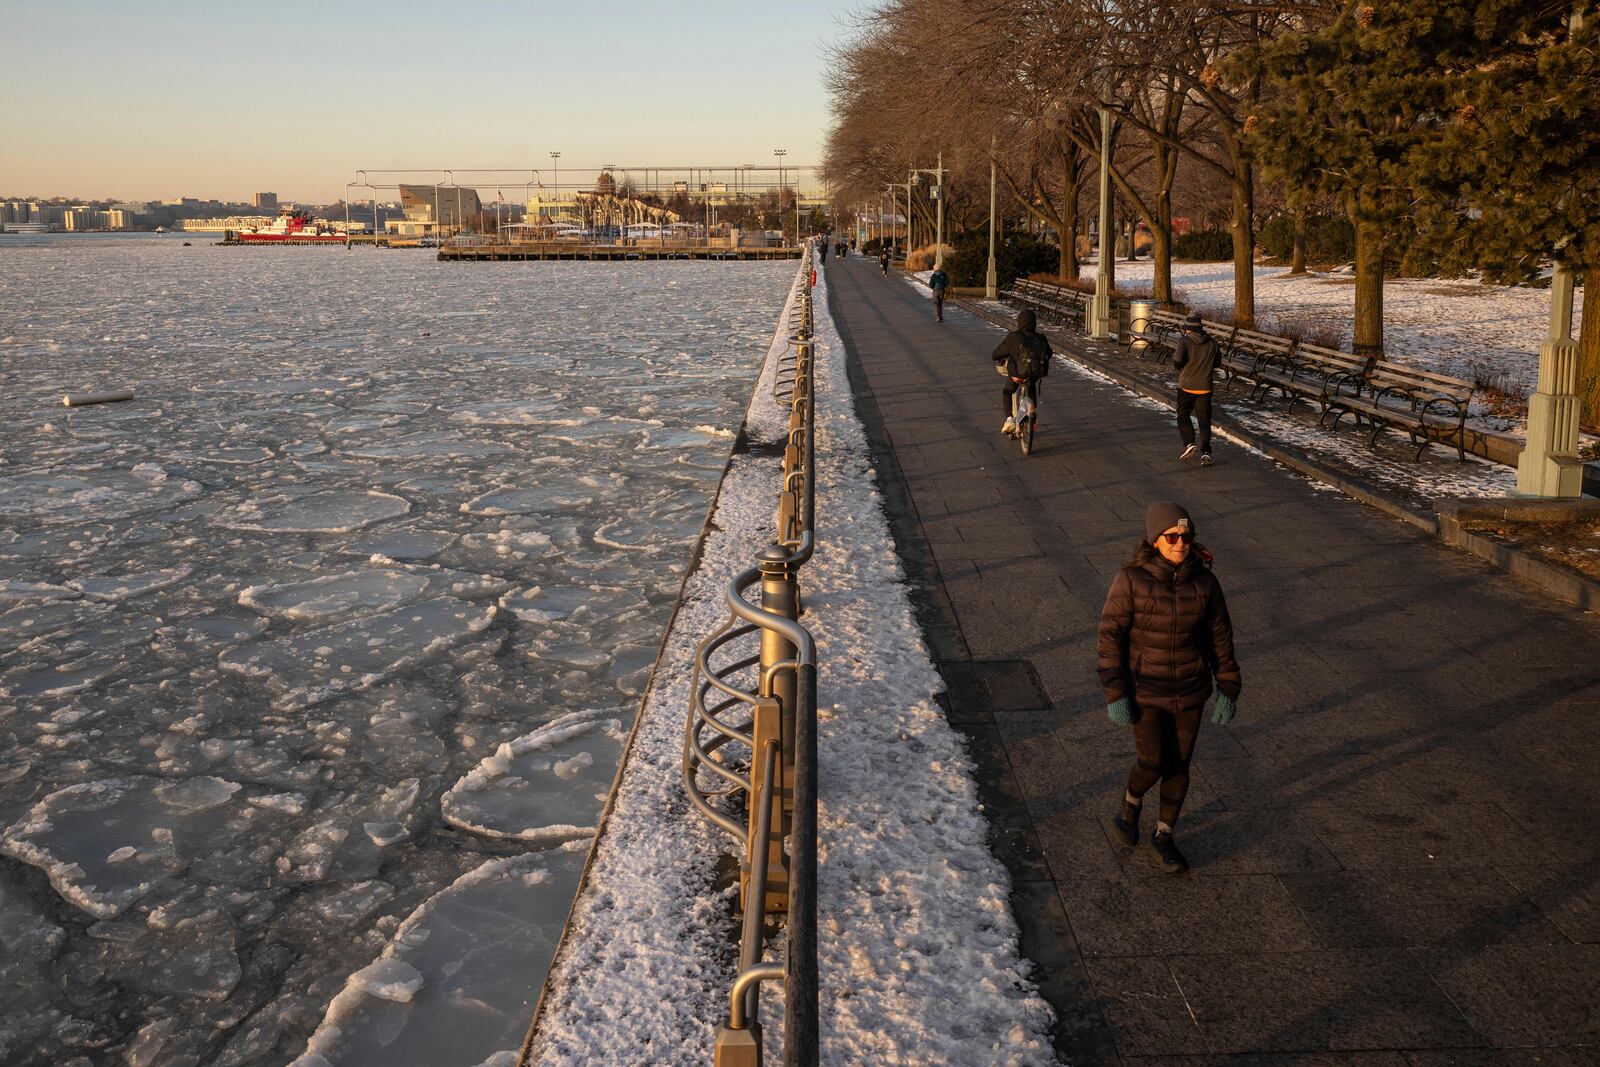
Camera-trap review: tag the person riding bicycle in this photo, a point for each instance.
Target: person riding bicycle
(883, 259)
(1024, 355)
(938, 281)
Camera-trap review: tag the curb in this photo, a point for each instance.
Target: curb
(1561, 583)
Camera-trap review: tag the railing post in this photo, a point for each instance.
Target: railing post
(737, 1048)
(780, 595)
(769, 725)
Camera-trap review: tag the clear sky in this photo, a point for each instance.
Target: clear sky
(221, 99)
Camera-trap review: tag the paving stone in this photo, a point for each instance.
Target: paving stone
(1144, 1005)
(1315, 1001)
(1522, 994)
(1422, 907)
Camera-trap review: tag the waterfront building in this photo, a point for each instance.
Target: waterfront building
(267, 202)
(429, 208)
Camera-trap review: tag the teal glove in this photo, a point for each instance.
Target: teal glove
(1120, 712)
(1225, 710)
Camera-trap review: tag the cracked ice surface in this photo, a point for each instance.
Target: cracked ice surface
(254, 625)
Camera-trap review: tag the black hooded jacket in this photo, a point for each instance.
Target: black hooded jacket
(1024, 349)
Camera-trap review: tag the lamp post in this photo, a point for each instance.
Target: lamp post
(780, 153)
(937, 193)
(1100, 311)
(991, 280)
(555, 209)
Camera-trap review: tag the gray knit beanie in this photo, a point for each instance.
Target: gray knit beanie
(1164, 515)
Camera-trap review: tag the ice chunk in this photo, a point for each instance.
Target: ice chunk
(51, 498)
(586, 602)
(318, 665)
(324, 512)
(13, 590)
(116, 588)
(334, 595)
(542, 786)
(403, 544)
(73, 833)
(389, 978)
(197, 794)
(452, 986)
(525, 501)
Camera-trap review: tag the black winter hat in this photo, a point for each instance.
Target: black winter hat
(1193, 319)
(1164, 515)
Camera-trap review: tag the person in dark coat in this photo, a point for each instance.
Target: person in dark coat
(1023, 356)
(1165, 639)
(938, 281)
(1195, 359)
(883, 259)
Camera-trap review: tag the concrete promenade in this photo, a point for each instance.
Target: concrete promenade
(1394, 844)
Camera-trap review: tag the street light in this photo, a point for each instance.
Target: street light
(780, 153)
(1100, 311)
(555, 163)
(991, 280)
(937, 193)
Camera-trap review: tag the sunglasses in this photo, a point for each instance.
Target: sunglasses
(1177, 538)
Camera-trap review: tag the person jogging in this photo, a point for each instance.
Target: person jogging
(938, 281)
(883, 259)
(1165, 637)
(1023, 355)
(1195, 359)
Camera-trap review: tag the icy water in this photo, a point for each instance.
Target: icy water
(316, 659)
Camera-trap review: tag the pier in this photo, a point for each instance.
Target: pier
(1390, 846)
(609, 253)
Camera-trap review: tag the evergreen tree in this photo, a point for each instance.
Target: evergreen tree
(1348, 105)
(1513, 177)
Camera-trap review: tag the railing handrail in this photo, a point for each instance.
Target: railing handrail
(782, 712)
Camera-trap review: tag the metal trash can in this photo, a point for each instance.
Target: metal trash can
(1140, 313)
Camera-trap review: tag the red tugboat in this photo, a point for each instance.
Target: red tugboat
(292, 227)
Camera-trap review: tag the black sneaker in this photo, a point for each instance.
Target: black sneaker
(1188, 452)
(1125, 824)
(1167, 853)
(1205, 459)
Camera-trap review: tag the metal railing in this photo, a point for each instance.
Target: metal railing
(751, 734)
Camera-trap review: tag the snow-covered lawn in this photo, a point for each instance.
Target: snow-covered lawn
(1484, 333)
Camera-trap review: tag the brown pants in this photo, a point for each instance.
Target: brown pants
(1164, 743)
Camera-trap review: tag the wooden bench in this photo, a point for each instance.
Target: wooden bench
(1057, 300)
(1163, 331)
(1431, 408)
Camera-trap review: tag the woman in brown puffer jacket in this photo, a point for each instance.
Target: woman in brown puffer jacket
(1165, 636)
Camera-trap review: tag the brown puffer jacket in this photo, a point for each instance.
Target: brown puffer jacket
(1165, 634)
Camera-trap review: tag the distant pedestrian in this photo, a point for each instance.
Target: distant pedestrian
(1165, 637)
(1196, 361)
(883, 259)
(822, 251)
(938, 281)
(1023, 356)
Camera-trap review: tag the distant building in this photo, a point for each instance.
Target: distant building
(265, 202)
(82, 218)
(428, 208)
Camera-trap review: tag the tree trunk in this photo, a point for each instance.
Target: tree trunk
(1161, 253)
(1589, 355)
(1297, 264)
(1069, 226)
(1369, 289)
(1241, 224)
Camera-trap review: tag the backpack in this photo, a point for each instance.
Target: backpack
(1030, 359)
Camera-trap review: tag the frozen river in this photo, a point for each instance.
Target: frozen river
(316, 659)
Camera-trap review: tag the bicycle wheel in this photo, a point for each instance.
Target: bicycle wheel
(1025, 434)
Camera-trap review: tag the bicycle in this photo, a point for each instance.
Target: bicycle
(1024, 411)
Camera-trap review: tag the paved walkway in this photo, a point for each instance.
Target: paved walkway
(1394, 844)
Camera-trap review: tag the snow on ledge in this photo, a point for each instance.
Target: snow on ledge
(918, 958)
